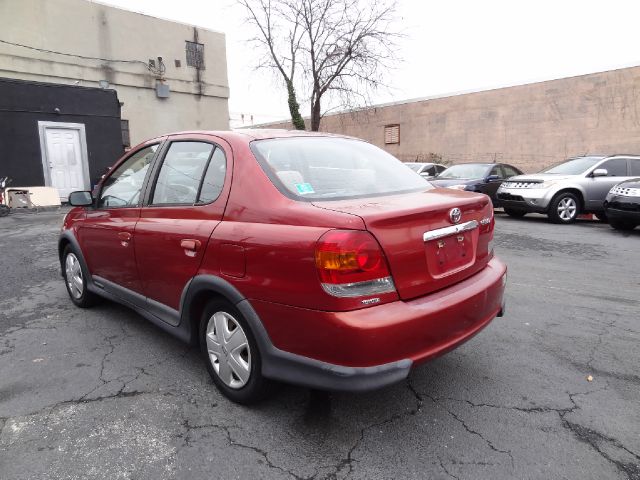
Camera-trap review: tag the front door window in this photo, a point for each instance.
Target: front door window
(122, 188)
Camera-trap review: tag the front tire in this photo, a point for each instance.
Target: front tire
(4, 210)
(75, 279)
(231, 354)
(564, 208)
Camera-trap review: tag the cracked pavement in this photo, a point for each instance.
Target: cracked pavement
(101, 393)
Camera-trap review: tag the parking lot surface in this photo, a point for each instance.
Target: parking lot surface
(551, 390)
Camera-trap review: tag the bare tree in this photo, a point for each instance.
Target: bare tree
(336, 48)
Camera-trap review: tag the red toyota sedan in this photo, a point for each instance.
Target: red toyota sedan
(307, 258)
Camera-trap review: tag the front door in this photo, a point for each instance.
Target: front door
(107, 235)
(184, 206)
(64, 157)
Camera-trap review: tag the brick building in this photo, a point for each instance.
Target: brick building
(530, 126)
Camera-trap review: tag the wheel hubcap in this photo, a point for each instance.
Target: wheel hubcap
(228, 349)
(567, 208)
(73, 274)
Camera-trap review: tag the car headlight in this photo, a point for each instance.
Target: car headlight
(458, 187)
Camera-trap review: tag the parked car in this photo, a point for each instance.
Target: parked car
(578, 185)
(477, 177)
(426, 170)
(312, 259)
(622, 205)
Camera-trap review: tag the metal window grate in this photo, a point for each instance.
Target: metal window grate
(391, 134)
(126, 138)
(195, 54)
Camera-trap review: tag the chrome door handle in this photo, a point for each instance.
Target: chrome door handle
(124, 236)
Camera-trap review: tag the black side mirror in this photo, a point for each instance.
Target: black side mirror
(491, 178)
(80, 199)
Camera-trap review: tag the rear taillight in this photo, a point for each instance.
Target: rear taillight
(351, 263)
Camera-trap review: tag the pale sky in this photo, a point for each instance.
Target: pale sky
(450, 45)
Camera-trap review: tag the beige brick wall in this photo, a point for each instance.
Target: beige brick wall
(530, 126)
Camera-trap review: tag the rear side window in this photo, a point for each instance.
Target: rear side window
(214, 177)
(324, 168)
(634, 167)
(181, 173)
(616, 167)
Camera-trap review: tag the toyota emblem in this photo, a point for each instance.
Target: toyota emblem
(455, 215)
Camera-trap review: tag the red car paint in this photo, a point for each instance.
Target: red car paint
(264, 244)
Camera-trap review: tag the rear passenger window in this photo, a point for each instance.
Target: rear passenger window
(214, 177)
(634, 168)
(181, 173)
(616, 167)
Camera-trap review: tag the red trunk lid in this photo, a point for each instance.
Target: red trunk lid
(419, 263)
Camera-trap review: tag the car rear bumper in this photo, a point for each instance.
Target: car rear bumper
(376, 346)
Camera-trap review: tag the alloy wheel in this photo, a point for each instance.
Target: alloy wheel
(73, 274)
(229, 351)
(567, 209)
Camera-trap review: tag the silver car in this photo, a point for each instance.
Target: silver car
(426, 170)
(579, 185)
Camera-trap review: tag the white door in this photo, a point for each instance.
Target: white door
(64, 156)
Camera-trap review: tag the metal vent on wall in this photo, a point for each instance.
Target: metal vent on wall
(195, 54)
(391, 134)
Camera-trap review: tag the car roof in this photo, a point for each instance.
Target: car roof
(476, 163)
(255, 134)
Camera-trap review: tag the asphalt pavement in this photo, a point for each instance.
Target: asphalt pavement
(549, 391)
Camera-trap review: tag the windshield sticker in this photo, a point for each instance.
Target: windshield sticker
(304, 188)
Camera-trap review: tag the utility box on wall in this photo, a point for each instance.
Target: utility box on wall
(162, 90)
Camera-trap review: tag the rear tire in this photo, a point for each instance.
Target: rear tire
(514, 212)
(75, 279)
(564, 208)
(231, 354)
(4, 210)
(622, 225)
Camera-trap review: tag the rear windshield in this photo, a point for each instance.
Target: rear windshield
(574, 167)
(323, 168)
(414, 166)
(466, 170)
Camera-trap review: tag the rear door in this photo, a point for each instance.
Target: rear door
(107, 234)
(598, 187)
(184, 204)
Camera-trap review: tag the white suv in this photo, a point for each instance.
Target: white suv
(578, 185)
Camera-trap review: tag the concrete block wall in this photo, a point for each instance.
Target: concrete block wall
(530, 126)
